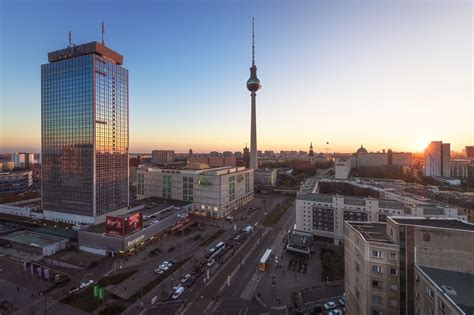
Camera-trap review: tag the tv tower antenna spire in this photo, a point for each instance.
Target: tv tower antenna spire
(103, 32)
(253, 41)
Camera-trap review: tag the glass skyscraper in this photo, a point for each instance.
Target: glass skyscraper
(84, 145)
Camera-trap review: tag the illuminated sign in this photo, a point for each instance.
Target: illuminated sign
(204, 182)
(120, 226)
(135, 241)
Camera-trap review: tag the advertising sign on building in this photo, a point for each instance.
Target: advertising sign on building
(123, 225)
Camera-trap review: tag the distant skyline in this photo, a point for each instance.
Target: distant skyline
(385, 74)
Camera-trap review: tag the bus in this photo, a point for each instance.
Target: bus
(216, 250)
(265, 260)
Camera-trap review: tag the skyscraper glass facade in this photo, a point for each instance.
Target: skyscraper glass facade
(84, 109)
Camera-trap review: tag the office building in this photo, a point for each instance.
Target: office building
(15, 182)
(84, 145)
(378, 159)
(162, 157)
(246, 157)
(23, 160)
(215, 192)
(409, 266)
(323, 205)
(460, 168)
(469, 152)
(7, 166)
(438, 159)
(213, 161)
(265, 177)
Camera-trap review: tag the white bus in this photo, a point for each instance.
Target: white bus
(213, 252)
(265, 260)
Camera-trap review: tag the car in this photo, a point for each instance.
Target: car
(177, 293)
(172, 261)
(186, 278)
(164, 268)
(342, 301)
(73, 290)
(237, 237)
(335, 312)
(256, 223)
(158, 270)
(155, 221)
(156, 251)
(329, 305)
(210, 262)
(252, 209)
(85, 284)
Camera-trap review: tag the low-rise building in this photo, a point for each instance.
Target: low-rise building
(215, 192)
(15, 182)
(322, 206)
(342, 168)
(162, 157)
(265, 177)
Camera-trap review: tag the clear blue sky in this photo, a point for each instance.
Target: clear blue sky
(383, 73)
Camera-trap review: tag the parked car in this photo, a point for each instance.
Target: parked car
(210, 262)
(342, 301)
(177, 293)
(330, 305)
(156, 251)
(186, 278)
(73, 290)
(335, 312)
(85, 284)
(158, 270)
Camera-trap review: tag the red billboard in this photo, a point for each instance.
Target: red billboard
(133, 223)
(123, 225)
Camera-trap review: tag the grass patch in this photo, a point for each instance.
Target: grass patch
(116, 279)
(83, 300)
(150, 285)
(113, 309)
(211, 238)
(273, 217)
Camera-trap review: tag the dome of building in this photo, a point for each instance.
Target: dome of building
(361, 150)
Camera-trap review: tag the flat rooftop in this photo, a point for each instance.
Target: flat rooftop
(441, 223)
(462, 283)
(31, 239)
(346, 189)
(371, 231)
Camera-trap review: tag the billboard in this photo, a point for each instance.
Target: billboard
(123, 225)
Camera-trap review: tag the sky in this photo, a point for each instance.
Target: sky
(385, 74)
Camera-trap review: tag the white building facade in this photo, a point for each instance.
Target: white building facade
(215, 192)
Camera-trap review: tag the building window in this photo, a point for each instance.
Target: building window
(429, 291)
(393, 271)
(377, 253)
(426, 237)
(393, 256)
(377, 312)
(393, 287)
(376, 284)
(393, 302)
(377, 268)
(376, 299)
(442, 305)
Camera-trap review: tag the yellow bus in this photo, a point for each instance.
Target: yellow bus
(265, 260)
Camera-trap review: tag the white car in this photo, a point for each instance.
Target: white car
(86, 284)
(335, 312)
(177, 293)
(329, 305)
(158, 270)
(185, 278)
(164, 268)
(210, 262)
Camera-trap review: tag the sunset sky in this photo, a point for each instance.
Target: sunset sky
(386, 74)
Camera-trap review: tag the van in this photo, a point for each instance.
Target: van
(177, 293)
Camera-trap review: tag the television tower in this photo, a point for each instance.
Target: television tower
(253, 85)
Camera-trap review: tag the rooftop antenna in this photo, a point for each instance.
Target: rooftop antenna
(253, 41)
(70, 39)
(103, 32)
